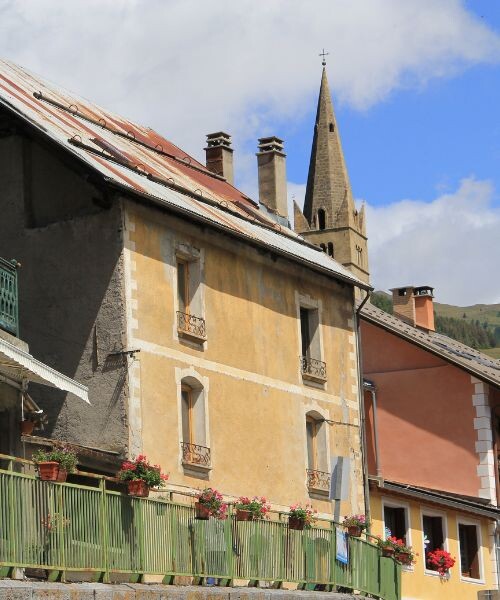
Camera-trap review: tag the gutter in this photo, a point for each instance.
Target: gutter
(436, 498)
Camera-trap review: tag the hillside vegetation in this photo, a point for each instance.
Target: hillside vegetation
(477, 326)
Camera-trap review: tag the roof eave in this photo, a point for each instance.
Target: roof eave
(475, 373)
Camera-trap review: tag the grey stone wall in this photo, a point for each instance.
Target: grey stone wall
(17, 590)
(71, 289)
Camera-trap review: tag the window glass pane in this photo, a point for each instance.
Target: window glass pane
(305, 331)
(395, 521)
(433, 532)
(182, 283)
(186, 417)
(469, 555)
(311, 444)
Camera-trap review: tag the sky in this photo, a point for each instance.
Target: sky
(415, 83)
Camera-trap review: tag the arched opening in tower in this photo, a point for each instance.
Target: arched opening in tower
(330, 249)
(321, 219)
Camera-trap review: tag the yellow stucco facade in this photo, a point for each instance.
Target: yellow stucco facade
(419, 583)
(251, 397)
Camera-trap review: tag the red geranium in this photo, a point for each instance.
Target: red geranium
(440, 561)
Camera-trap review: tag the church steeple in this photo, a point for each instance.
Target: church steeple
(328, 187)
(330, 217)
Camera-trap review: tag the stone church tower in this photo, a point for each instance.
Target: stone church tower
(330, 218)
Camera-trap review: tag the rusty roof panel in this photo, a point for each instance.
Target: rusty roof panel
(141, 160)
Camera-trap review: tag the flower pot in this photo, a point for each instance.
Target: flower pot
(354, 530)
(201, 511)
(138, 487)
(26, 427)
(388, 552)
(404, 558)
(62, 475)
(296, 523)
(49, 471)
(244, 515)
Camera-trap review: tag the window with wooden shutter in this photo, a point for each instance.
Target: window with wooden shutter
(469, 551)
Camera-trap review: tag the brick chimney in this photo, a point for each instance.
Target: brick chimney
(414, 305)
(219, 155)
(271, 162)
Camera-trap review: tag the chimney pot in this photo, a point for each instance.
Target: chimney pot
(271, 162)
(414, 305)
(219, 155)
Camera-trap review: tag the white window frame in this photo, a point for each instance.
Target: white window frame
(429, 512)
(466, 521)
(390, 502)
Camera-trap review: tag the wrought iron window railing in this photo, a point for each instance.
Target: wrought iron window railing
(313, 368)
(8, 297)
(191, 326)
(195, 455)
(318, 481)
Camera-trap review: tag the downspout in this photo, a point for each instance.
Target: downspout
(362, 424)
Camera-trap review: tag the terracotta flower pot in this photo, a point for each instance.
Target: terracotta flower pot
(388, 551)
(138, 487)
(26, 427)
(296, 523)
(404, 558)
(201, 511)
(49, 471)
(354, 530)
(244, 515)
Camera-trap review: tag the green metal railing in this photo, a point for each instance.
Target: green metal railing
(67, 527)
(8, 297)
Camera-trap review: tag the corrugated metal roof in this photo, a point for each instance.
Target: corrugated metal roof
(481, 365)
(18, 365)
(138, 159)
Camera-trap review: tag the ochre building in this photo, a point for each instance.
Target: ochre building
(211, 336)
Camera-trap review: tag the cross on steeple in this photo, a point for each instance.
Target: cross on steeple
(323, 54)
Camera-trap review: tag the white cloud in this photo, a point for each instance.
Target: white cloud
(188, 67)
(451, 243)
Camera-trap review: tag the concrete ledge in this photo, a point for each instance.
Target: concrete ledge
(35, 590)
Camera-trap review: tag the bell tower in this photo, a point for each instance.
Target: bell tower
(330, 218)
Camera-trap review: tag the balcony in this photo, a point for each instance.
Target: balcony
(195, 456)
(313, 369)
(8, 297)
(318, 482)
(191, 327)
(62, 528)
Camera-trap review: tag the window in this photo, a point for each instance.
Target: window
(396, 522)
(190, 321)
(313, 368)
(318, 477)
(323, 247)
(183, 286)
(469, 551)
(312, 428)
(332, 127)
(305, 331)
(433, 535)
(195, 453)
(321, 219)
(187, 415)
(330, 249)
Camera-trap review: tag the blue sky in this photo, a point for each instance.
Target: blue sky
(416, 86)
(417, 142)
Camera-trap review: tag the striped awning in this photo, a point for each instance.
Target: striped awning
(18, 365)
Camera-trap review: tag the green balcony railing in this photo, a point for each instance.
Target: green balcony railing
(67, 527)
(8, 297)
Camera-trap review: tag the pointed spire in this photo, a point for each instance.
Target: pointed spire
(328, 187)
